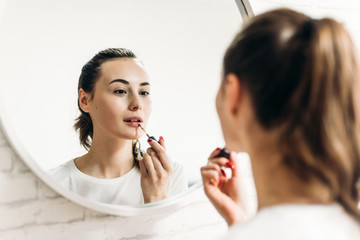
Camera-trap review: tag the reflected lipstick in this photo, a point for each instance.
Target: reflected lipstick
(151, 137)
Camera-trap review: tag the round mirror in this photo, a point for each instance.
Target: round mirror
(44, 45)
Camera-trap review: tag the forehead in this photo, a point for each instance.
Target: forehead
(129, 69)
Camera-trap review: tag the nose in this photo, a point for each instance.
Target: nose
(135, 104)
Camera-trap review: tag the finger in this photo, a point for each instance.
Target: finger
(230, 163)
(215, 167)
(212, 166)
(233, 164)
(156, 161)
(220, 161)
(224, 162)
(150, 150)
(149, 164)
(214, 153)
(155, 145)
(143, 170)
(210, 176)
(162, 142)
(161, 152)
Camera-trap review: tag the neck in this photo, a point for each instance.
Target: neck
(275, 182)
(107, 158)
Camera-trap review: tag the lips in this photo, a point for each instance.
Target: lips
(133, 121)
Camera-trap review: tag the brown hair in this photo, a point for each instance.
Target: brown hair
(90, 73)
(303, 78)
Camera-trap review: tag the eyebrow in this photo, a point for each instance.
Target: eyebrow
(127, 82)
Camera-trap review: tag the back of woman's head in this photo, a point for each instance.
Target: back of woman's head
(303, 77)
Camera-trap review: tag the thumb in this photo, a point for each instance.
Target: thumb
(234, 164)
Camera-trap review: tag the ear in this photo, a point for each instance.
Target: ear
(84, 100)
(232, 94)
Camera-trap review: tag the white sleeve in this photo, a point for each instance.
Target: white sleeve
(178, 182)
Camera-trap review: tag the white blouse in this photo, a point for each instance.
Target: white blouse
(122, 190)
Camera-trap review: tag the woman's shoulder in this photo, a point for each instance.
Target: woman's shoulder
(62, 170)
(297, 222)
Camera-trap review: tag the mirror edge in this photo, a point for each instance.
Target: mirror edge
(245, 9)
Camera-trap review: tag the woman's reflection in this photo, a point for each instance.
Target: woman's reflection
(114, 98)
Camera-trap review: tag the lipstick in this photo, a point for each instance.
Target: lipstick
(151, 137)
(225, 171)
(224, 153)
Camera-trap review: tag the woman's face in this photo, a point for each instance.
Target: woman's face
(121, 99)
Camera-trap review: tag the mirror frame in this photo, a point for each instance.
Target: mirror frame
(164, 206)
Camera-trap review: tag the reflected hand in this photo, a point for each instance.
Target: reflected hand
(227, 195)
(155, 169)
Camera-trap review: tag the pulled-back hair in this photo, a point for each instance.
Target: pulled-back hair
(90, 73)
(302, 75)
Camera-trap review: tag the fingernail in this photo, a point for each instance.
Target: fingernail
(229, 165)
(220, 181)
(149, 140)
(217, 149)
(161, 138)
(223, 172)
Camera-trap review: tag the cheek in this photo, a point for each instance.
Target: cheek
(110, 110)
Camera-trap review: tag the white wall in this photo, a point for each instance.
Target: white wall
(29, 210)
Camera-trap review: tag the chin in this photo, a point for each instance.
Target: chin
(129, 136)
(136, 136)
(129, 133)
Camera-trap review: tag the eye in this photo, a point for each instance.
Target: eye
(120, 91)
(144, 93)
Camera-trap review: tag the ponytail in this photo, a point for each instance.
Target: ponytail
(335, 76)
(84, 125)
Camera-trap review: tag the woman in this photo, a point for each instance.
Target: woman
(114, 98)
(290, 99)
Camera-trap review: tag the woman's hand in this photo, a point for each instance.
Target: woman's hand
(155, 169)
(227, 195)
